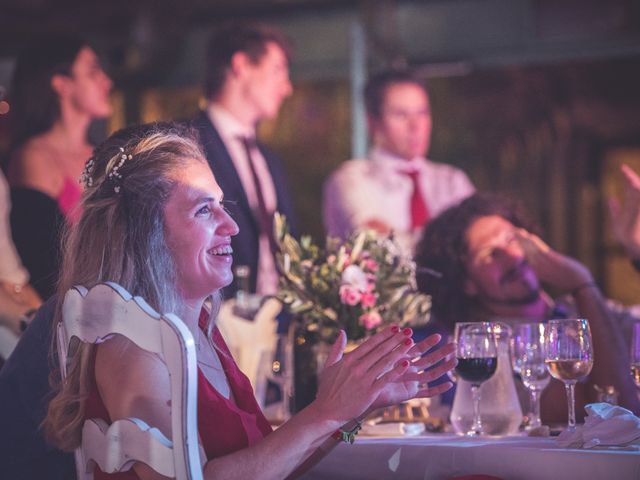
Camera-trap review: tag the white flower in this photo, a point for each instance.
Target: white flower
(354, 276)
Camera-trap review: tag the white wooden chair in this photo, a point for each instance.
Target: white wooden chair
(94, 315)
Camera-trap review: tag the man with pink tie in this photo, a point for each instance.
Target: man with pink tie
(396, 189)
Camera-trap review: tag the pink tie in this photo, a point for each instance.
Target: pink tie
(419, 211)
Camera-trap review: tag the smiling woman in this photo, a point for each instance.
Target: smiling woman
(153, 221)
(199, 231)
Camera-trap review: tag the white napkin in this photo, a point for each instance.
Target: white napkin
(251, 343)
(605, 425)
(392, 429)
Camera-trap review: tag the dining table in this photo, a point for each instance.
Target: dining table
(441, 456)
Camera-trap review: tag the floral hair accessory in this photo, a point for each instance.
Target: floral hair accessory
(86, 177)
(113, 167)
(360, 284)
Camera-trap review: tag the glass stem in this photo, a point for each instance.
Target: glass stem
(535, 409)
(571, 403)
(476, 428)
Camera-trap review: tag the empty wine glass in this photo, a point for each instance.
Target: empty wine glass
(528, 359)
(635, 353)
(569, 356)
(477, 354)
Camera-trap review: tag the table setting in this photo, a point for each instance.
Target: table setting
(445, 456)
(362, 284)
(605, 446)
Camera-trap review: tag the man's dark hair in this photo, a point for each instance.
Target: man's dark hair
(378, 84)
(443, 250)
(249, 38)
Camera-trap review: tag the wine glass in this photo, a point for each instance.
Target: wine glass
(528, 359)
(569, 356)
(477, 354)
(635, 353)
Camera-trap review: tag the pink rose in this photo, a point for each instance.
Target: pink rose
(349, 295)
(370, 320)
(371, 265)
(368, 299)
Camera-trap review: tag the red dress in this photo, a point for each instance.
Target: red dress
(224, 427)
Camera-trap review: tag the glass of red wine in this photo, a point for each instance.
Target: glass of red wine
(477, 354)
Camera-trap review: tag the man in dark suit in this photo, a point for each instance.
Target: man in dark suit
(246, 82)
(24, 398)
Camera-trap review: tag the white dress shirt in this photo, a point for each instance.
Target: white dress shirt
(379, 188)
(231, 131)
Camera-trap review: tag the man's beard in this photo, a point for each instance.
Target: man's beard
(526, 299)
(515, 275)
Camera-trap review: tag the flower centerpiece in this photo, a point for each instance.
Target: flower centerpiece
(360, 284)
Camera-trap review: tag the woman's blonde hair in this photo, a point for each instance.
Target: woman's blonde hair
(120, 237)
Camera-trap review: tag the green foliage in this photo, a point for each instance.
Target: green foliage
(359, 285)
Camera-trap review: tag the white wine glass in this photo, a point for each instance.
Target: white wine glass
(635, 353)
(477, 355)
(528, 359)
(569, 356)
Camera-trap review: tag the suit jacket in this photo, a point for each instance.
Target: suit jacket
(245, 244)
(24, 396)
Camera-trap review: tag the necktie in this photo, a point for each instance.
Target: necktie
(264, 218)
(419, 211)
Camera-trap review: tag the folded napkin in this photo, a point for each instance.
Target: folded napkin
(252, 343)
(392, 429)
(605, 425)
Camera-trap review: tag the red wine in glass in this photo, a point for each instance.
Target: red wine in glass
(476, 370)
(477, 354)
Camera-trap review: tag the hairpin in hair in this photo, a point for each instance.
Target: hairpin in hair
(86, 177)
(114, 165)
(429, 271)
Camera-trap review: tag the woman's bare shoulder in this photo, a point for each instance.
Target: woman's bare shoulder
(33, 165)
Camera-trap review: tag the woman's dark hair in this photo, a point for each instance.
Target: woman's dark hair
(441, 253)
(34, 104)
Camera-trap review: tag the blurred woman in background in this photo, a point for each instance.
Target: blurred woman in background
(58, 88)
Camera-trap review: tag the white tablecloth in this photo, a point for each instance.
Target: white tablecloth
(442, 456)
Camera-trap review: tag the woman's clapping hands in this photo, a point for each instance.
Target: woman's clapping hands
(414, 382)
(386, 369)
